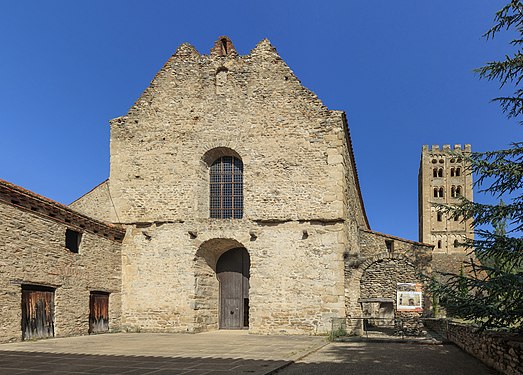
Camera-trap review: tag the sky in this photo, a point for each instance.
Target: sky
(401, 70)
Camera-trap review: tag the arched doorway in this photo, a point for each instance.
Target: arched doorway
(232, 271)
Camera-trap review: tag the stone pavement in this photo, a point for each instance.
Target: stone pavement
(213, 353)
(230, 353)
(391, 358)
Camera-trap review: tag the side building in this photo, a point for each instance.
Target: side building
(444, 178)
(60, 271)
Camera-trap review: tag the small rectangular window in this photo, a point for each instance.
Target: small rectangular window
(390, 245)
(72, 240)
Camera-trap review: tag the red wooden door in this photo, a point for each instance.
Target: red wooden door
(37, 312)
(232, 270)
(98, 312)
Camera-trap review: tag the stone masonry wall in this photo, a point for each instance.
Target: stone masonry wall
(299, 175)
(379, 280)
(32, 251)
(291, 145)
(374, 271)
(450, 263)
(296, 283)
(96, 203)
(501, 351)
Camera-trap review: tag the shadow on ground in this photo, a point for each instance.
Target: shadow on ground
(18, 362)
(336, 358)
(387, 358)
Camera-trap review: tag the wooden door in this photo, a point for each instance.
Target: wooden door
(98, 312)
(37, 312)
(232, 270)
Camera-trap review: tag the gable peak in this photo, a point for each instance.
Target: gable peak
(186, 49)
(264, 46)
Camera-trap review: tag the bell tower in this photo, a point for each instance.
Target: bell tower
(443, 178)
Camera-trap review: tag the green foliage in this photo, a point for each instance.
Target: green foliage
(337, 333)
(490, 292)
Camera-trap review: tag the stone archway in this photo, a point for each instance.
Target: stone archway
(378, 286)
(207, 284)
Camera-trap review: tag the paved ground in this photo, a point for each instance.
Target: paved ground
(377, 358)
(229, 353)
(222, 352)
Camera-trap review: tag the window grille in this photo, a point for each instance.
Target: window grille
(226, 188)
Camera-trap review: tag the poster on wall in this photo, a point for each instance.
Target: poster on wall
(409, 297)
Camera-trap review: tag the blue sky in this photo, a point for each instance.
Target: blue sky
(402, 70)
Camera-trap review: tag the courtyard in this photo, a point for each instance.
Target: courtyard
(229, 352)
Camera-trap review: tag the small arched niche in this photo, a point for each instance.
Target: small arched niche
(221, 79)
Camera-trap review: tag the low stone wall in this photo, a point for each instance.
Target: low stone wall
(501, 351)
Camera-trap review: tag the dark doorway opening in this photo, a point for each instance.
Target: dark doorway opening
(98, 312)
(232, 270)
(37, 312)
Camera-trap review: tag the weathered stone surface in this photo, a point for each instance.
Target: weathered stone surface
(96, 203)
(33, 252)
(381, 263)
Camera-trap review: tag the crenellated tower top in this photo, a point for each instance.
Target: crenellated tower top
(436, 148)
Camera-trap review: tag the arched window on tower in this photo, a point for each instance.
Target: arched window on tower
(458, 191)
(451, 172)
(456, 243)
(226, 188)
(458, 171)
(436, 192)
(440, 216)
(439, 244)
(435, 172)
(453, 191)
(440, 172)
(441, 192)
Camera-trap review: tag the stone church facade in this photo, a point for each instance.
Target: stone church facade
(235, 199)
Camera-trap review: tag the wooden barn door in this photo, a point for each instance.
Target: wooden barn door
(98, 312)
(232, 270)
(37, 312)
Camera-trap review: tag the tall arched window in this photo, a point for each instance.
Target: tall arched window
(440, 172)
(458, 191)
(458, 171)
(435, 192)
(435, 172)
(451, 172)
(441, 192)
(453, 192)
(440, 216)
(226, 188)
